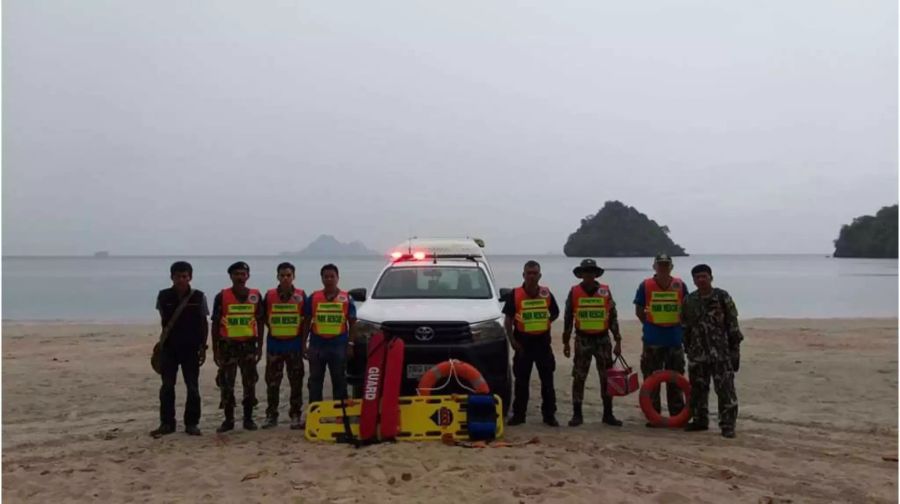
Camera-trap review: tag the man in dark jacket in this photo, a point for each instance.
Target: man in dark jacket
(184, 346)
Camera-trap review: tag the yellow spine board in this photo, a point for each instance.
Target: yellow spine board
(422, 418)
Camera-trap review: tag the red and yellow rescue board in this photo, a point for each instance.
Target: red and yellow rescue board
(422, 418)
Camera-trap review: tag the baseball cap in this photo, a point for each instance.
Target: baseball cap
(662, 258)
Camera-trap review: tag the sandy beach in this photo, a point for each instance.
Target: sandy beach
(817, 423)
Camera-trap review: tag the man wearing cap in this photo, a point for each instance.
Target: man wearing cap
(657, 305)
(238, 318)
(712, 340)
(287, 330)
(530, 310)
(591, 310)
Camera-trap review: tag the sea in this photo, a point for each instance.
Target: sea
(124, 289)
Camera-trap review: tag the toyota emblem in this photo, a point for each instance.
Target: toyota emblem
(424, 333)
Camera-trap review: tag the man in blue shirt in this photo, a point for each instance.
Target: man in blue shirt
(331, 315)
(287, 330)
(657, 305)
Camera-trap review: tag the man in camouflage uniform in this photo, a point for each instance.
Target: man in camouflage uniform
(237, 322)
(712, 341)
(585, 300)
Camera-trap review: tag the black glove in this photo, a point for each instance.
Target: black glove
(736, 363)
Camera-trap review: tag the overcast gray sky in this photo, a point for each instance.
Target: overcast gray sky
(154, 127)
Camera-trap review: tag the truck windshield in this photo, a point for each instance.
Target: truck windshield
(433, 282)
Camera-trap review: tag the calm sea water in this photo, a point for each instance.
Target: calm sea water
(124, 288)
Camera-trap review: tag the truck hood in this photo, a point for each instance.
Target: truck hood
(428, 310)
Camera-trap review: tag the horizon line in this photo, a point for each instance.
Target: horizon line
(373, 256)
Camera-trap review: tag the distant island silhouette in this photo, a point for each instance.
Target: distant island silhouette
(329, 246)
(869, 236)
(618, 230)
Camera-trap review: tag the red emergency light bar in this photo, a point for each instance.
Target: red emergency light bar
(405, 256)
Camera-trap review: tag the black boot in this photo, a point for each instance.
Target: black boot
(162, 430)
(696, 426)
(249, 424)
(228, 423)
(728, 431)
(608, 417)
(516, 420)
(577, 419)
(271, 421)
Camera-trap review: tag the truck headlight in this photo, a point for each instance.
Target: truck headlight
(363, 330)
(489, 330)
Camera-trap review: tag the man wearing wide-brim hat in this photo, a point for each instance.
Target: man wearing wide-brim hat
(657, 304)
(590, 309)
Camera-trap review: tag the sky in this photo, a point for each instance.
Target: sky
(235, 127)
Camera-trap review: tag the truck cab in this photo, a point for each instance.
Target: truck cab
(439, 296)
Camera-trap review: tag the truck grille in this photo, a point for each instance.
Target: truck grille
(425, 333)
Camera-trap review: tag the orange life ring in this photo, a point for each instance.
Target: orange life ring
(653, 383)
(462, 369)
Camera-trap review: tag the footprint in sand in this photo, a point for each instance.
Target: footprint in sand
(671, 498)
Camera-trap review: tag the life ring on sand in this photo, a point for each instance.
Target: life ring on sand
(653, 383)
(448, 368)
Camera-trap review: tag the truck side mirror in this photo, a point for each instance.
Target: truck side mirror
(358, 294)
(504, 293)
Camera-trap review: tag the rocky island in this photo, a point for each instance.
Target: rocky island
(618, 230)
(872, 236)
(329, 246)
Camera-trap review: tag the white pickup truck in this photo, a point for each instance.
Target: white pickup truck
(439, 296)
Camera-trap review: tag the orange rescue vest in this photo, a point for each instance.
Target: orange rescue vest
(285, 317)
(238, 322)
(591, 311)
(329, 318)
(532, 313)
(663, 306)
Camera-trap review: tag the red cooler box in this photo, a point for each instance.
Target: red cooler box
(621, 380)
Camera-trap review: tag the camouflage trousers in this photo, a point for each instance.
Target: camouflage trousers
(275, 364)
(590, 347)
(655, 358)
(723, 381)
(234, 355)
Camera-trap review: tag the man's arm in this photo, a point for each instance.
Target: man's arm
(639, 304)
(554, 309)
(509, 309)
(640, 313)
(204, 328)
(304, 333)
(351, 321)
(614, 321)
(162, 320)
(687, 323)
(307, 322)
(351, 316)
(568, 319)
(731, 325)
(264, 329)
(204, 324)
(510, 331)
(216, 322)
(261, 326)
